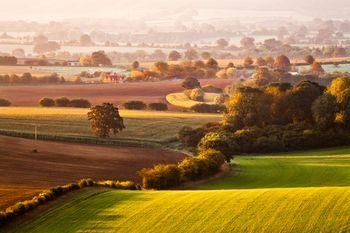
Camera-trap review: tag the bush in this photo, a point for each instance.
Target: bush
(190, 137)
(47, 102)
(79, 103)
(62, 102)
(218, 141)
(197, 94)
(4, 103)
(135, 105)
(208, 108)
(160, 177)
(191, 83)
(158, 106)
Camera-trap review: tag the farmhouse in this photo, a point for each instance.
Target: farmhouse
(112, 77)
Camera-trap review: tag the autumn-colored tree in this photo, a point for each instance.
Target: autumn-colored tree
(248, 42)
(205, 55)
(222, 43)
(337, 86)
(248, 107)
(260, 62)
(191, 54)
(282, 62)
(300, 100)
(100, 58)
(324, 111)
(269, 61)
(161, 67)
(309, 59)
(248, 61)
(135, 65)
(212, 64)
(85, 40)
(174, 56)
(105, 119)
(191, 83)
(316, 68)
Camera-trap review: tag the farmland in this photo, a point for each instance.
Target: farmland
(25, 172)
(99, 93)
(264, 195)
(182, 100)
(141, 126)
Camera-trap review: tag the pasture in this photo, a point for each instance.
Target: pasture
(318, 168)
(141, 126)
(290, 192)
(258, 210)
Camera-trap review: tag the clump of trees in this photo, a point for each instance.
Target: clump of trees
(8, 60)
(64, 102)
(165, 176)
(279, 117)
(28, 78)
(158, 106)
(4, 103)
(105, 119)
(134, 105)
(96, 59)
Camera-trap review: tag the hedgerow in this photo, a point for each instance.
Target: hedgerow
(21, 208)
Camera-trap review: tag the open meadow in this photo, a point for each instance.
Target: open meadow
(263, 194)
(142, 127)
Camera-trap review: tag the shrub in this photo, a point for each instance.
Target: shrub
(4, 103)
(190, 137)
(117, 184)
(191, 83)
(62, 102)
(197, 94)
(79, 103)
(160, 176)
(135, 105)
(218, 141)
(208, 108)
(86, 183)
(158, 106)
(47, 102)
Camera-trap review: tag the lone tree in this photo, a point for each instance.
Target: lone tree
(104, 119)
(191, 83)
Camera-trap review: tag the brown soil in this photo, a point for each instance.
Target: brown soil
(25, 173)
(98, 93)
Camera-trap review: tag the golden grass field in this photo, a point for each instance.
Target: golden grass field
(182, 100)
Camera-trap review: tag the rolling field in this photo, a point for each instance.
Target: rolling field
(141, 126)
(330, 167)
(260, 210)
(291, 192)
(25, 173)
(98, 93)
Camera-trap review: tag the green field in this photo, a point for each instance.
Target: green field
(294, 192)
(256, 210)
(320, 168)
(145, 126)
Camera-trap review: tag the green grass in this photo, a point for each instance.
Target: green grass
(148, 126)
(320, 168)
(259, 210)
(289, 192)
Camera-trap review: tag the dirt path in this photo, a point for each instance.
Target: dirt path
(24, 172)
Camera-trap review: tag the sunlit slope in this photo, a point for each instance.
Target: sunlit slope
(258, 210)
(319, 168)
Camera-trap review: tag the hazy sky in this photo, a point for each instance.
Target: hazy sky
(61, 9)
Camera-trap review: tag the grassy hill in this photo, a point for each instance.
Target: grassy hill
(271, 193)
(141, 126)
(318, 168)
(256, 210)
